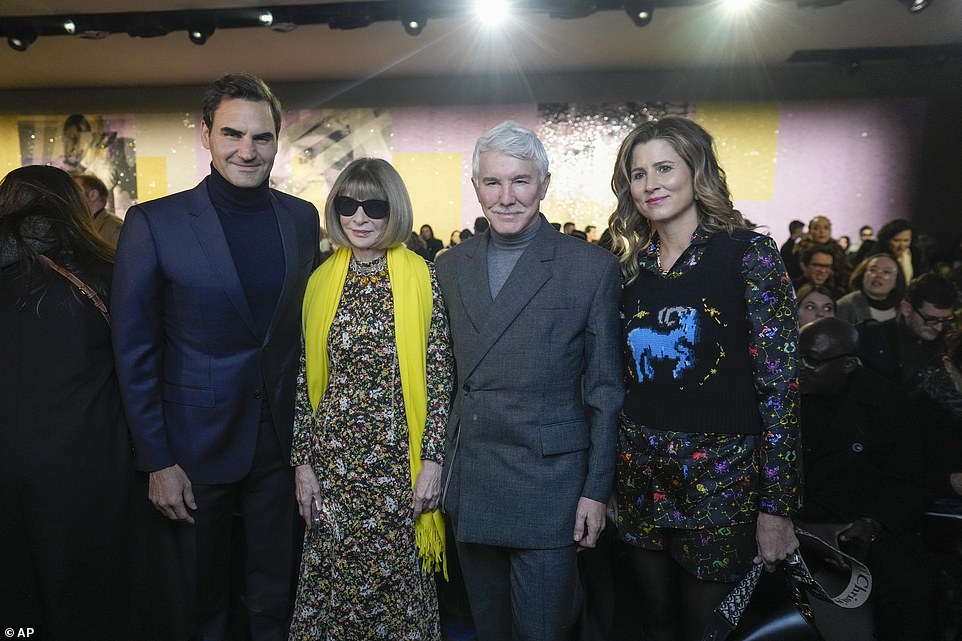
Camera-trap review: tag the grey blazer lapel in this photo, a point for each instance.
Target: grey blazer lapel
(473, 287)
(211, 237)
(529, 275)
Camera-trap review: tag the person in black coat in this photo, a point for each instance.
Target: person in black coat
(864, 476)
(72, 512)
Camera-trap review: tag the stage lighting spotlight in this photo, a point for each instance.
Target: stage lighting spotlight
(266, 18)
(413, 16)
(21, 42)
(914, 6)
(69, 26)
(199, 34)
(639, 11)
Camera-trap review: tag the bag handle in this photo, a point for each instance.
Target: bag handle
(729, 612)
(84, 288)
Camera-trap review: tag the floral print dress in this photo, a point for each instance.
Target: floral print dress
(360, 575)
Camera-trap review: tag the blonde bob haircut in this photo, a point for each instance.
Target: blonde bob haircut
(630, 231)
(367, 179)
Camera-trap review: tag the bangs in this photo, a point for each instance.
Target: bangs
(362, 186)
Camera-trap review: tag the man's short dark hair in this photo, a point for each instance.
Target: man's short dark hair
(806, 256)
(933, 289)
(242, 86)
(88, 181)
(480, 225)
(795, 225)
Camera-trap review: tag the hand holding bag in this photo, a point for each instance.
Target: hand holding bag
(779, 610)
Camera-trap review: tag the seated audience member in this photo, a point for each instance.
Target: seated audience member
(591, 234)
(431, 244)
(901, 348)
(863, 471)
(796, 229)
(481, 225)
(844, 242)
(814, 302)
(466, 234)
(818, 263)
(106, 224)
(820, 233)
(455, 238)
(896, 238)
(568, 228)
(943, 385)
(865, 235)
(877, 286)
(577, 233)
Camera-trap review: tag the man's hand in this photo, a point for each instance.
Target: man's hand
(169, 491)
(427, 488)
(306, 490)
(776, 539)
(589, 522)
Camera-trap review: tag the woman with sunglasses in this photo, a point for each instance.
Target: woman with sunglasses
(369, 427)
(708, 474)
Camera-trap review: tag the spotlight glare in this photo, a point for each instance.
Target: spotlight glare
(266, 18)
(917, 5)
(491, 12)
(640, 11)
(740, 5)
(70, 26)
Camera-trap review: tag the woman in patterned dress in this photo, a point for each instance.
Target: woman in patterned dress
(370, 422)
(708, 468)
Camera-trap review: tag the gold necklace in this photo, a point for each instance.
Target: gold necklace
(664, 272)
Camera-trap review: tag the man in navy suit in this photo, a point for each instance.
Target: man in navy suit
(530, 450)
(206, 300)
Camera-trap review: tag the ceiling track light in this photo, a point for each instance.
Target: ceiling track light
(640, 12)
(914, 6)
(21, 42)
(200, 33)
(413, 16)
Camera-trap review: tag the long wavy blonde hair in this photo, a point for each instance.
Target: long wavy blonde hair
(630, 231)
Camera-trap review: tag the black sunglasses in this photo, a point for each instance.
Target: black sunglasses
(374, 209)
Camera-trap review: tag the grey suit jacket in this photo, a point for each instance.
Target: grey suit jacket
(533, 425)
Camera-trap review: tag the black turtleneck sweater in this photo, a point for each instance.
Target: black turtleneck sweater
(250, 226)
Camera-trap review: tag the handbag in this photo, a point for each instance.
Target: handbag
(779, 610)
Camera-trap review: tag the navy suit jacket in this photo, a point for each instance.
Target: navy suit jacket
(540, 385)
(193, 370)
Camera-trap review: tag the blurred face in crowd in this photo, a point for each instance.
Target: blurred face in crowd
(865, 233)
(814, 306)
(880, 277)
(900, 242)
(926, 321)
(242, 141)
(509, 191)
(824, 361)
(819, 268)
(820, 229)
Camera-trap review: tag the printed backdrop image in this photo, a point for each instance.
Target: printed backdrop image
(86, 144)
(847, 160)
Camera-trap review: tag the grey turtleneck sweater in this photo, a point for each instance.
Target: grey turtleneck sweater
(504, 252)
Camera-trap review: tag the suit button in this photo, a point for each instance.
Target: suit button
(466, 387)
(259, 394)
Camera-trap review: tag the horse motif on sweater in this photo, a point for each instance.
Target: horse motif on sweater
(673, 339)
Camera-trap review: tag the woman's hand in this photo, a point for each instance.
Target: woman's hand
(427, 488)
(776, 539)
(306, 490)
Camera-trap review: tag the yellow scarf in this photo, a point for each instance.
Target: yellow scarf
(411, 290)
